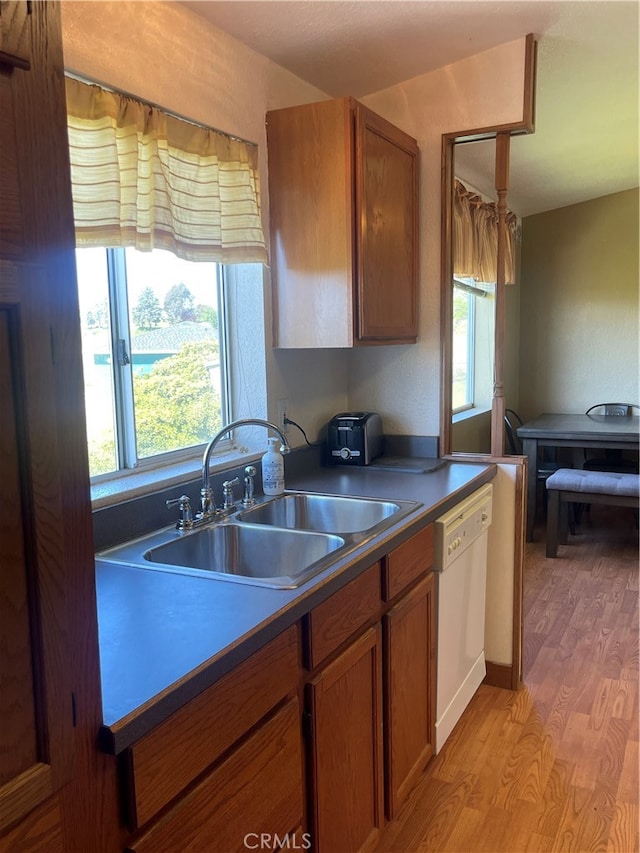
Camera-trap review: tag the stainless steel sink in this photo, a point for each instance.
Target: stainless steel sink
(326, 513)
(280, 543)
(247, 553)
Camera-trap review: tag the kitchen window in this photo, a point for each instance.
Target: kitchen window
(463, 361)
(168, 233)
(473, 343)
(475, 225)
(154, 342)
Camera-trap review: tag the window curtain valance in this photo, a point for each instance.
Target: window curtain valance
(146, 179)
(475, 237)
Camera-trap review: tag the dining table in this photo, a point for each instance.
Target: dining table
(572, 430)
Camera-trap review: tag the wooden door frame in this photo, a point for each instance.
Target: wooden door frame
(500, 676)
(449, 140)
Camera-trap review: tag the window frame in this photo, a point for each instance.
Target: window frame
(471, 358)
(123, 399)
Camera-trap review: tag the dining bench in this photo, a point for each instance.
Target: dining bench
(573, 485)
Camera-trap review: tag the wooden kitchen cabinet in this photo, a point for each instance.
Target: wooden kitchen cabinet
(338, 618)
(255, 792)
(407, 563)
(344, 707)
(228, 763)
(343, 188)
(342, 700)
(409, 691)
(409, 665)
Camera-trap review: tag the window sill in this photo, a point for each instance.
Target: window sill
(139, 482)
(468, 414)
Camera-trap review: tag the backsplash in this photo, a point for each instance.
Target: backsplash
(135, 517)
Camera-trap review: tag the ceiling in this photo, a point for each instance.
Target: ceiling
(586, 139)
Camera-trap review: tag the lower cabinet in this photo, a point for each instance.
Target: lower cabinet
(253, 794)
(409, 694)
(372, 641)
(227, 772)
(227, 768)
(344, 702)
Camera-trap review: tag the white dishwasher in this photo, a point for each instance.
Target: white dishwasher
(461, 576)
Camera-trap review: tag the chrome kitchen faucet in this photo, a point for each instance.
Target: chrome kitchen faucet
(208, 508)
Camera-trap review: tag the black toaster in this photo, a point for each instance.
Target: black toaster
(354, 438)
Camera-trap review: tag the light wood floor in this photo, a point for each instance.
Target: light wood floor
(554, 766)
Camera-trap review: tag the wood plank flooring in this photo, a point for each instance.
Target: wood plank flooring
(553, 766)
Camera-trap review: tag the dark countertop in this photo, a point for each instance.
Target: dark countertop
(164, 638)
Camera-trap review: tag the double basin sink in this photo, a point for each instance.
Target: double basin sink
(281, 543)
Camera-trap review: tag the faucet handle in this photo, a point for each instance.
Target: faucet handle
(227, 493)
(185, 521)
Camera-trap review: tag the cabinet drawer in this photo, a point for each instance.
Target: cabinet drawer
(256, 790)
(167, 759)
(335, 620)
(407, 562)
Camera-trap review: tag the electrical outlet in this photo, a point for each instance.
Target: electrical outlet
(283, 406)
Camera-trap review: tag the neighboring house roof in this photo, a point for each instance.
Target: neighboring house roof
(172, 338)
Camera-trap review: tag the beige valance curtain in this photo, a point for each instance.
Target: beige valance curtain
(475, 237)
(150, 180)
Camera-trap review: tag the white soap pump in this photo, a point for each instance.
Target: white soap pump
(273, 469)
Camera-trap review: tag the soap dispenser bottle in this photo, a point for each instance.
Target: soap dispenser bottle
(272, 469)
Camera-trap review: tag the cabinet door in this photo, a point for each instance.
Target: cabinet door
(35, 700)
(56, 791)
(311, 220)
(345, 707)
(409, 697)
(387, 230)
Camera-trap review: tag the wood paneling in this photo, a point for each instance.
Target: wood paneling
(40, 306)
(12, 237)
(18, 733)
(15, 34)
(36, 695)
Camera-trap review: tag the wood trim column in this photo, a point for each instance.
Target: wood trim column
(502, 185)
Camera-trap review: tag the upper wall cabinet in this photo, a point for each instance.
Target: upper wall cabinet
(343, 187)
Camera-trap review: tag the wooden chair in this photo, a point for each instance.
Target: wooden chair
(545, 469)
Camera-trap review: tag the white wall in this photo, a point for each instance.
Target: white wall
(164, 53)
(403, 383)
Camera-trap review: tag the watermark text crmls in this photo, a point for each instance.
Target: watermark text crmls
(274, 841)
